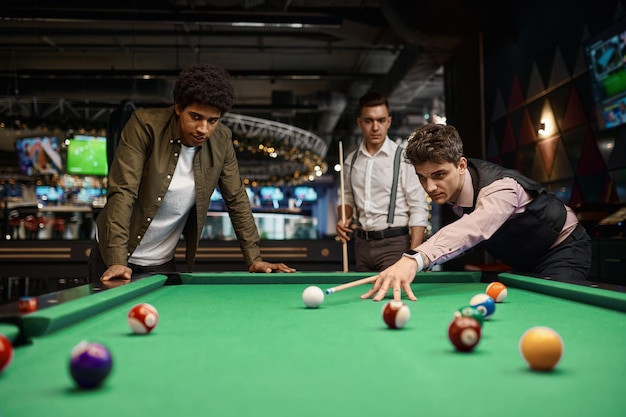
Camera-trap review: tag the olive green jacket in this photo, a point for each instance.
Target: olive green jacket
(141, 173)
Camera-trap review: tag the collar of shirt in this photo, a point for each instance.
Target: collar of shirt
(466, 197)
(387, 148)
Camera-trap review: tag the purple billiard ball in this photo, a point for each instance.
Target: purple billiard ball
(90, 365)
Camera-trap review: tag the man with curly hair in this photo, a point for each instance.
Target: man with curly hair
(511, 216)
(167, 164)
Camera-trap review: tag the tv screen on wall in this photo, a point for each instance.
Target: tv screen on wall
(87, 155)
(606, 58)
(38, 155)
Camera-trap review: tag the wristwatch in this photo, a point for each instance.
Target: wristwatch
(418, 258)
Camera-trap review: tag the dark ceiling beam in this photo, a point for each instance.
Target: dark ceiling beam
(24, 29)
(173, 73)
(272, 19)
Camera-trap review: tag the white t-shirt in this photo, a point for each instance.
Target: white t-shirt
(160, 240)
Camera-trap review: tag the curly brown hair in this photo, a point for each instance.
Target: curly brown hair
(434, 143)
(204, 84)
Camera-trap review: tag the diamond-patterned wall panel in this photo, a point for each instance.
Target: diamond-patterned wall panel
(499, 108)
(528, 129)
(544, 61)
(573, 143)
(559, 72)
(558, 103)
(509, 143)
(546, 77)
(515, 118)
(538, 169)
(525, 159)
(590, 161)
(562, 167)
(547, 151)
(574, 112)
(536, 85)
(516, 96)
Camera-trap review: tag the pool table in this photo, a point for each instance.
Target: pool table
(240, 344)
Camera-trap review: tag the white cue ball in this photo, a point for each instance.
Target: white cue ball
(313, 296)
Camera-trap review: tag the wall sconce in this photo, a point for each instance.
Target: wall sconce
(542, 128)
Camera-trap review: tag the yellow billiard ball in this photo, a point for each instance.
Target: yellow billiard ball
(541, 348)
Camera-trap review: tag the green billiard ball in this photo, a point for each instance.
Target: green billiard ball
(469, 311)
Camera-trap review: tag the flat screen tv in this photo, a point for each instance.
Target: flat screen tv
(606, 58)
(87, 155)
(270, 193)
(88, 195)
(49, 194)
(39, 155)
(305, 193)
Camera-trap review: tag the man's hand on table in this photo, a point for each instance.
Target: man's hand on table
(398, 276)
(121, 272)
(262, 266)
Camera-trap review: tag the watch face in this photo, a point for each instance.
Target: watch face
(411, 252)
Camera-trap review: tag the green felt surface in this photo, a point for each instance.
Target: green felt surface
(254, 350)
(10, 331)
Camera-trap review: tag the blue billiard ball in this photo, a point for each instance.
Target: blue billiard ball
(485, 304)
(90, 364)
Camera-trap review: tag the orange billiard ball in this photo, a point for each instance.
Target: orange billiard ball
(541, 348)
(497, 291)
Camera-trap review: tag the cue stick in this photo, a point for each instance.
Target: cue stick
(344, 244)
(351, 284)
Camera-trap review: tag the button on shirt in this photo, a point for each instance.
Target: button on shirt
(368, 189)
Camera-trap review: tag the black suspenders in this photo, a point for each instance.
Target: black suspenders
(391, 212)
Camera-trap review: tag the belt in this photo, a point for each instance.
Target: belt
(382, 234)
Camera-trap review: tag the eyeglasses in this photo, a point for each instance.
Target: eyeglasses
(368, 120)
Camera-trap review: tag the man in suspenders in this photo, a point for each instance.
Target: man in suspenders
(381, 192)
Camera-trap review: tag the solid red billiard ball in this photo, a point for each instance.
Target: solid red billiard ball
(143, 318)
(27, 305)
(90, 364)
(497, 291)
(396, 314)
(6, 352)
(464, 333)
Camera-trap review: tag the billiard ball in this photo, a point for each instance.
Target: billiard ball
(497, 291)
(469, 311)
(90, 365)
(396, 314)
(6, 352)
(464, 333)
(142, 318)
(541, 348)
(312, 296)
(485, 304)
(27, 305)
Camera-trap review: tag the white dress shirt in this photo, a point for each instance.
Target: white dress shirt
(367, 189)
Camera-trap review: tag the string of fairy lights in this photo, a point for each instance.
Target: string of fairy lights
(281, 154)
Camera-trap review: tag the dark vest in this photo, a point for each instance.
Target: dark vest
(522, 240)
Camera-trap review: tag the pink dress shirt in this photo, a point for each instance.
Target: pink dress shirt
(495, 204)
